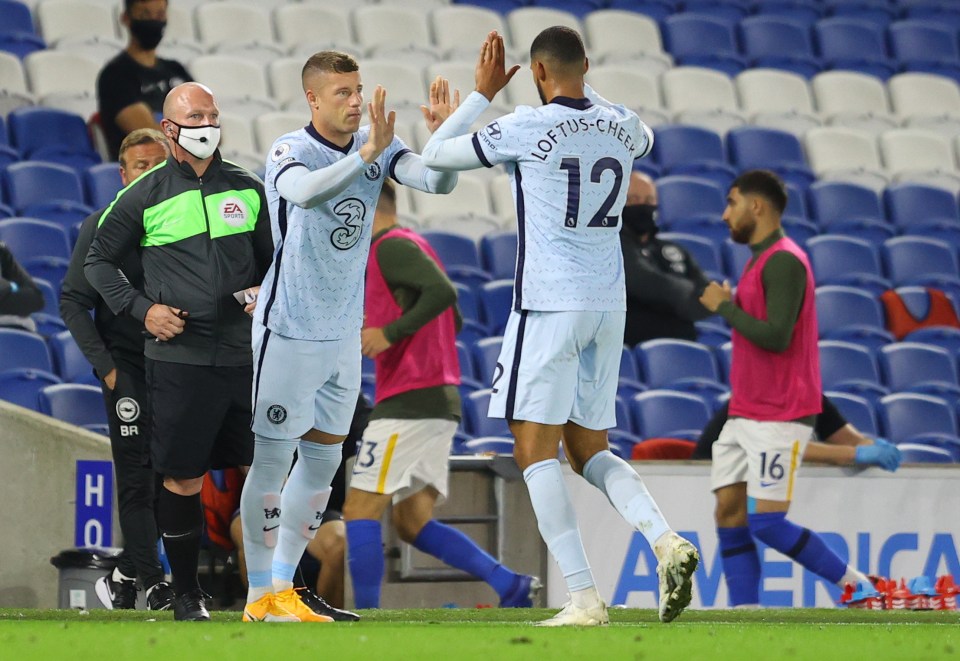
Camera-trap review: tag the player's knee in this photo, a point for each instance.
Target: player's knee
(730, 513)
(407, 529)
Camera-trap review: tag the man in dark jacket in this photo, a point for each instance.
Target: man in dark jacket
(114, 346)
(663, 281)
(203, 230)
(19, 294)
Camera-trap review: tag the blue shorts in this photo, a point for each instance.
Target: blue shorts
(559, 367)
(299, 385)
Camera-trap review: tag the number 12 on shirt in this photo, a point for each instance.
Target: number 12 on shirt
(571, 165)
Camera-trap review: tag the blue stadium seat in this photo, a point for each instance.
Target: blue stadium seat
(842, 362)
(942, 230)
(475, 419)
(51, 269)
(844, 40)
(680, 144)
(60, 212)
(796, 202)
(908, 257)
(488, 444)
(46, 134)
(755, 147)
(103, 183)
(578, 8)
(866, 335)
(941, 12)
(874, 231)
(724, 355)
(871, 392)
(472, 331)
(498, 254)
(33, 182)
(714, 393)
(622, 442)
(946, 442)
(16, 17)
(908, 364)
(945, 337)
(622, 410)
(368, 386)
(805, 12)
(658, 10)
(466, 361)
(858, 411)
(911, 203)
(728, 11)
(907, 414)
(763, 37)
(468, 385)
(664, 413)
(468, 302)
(839, 307)
(627, 388)
(22, 386)
(699, 40)
(834, 201)
(923, 40)
(499, 6)
(51, 296)
(799, 230)
(712, 334)
(485, 354)
(471, 276)
(666, 361)
(453, 249)
(48, 324)
(682, 198)
(628, 365)
(703, 251)
(20, 44)
(915, 453)
(834, 256)
(75, 403)
(19, 348)
(70, 362)
(879, 12)
(496, 301)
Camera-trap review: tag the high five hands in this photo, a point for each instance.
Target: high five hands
(381, 126)
(441, 105)
(491, 74)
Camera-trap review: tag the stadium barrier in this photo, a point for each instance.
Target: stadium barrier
(901, 524)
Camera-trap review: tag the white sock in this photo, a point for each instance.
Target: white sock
(627, 493)
(587, 598)
(854, 576)
(303, 502)
(558, 523)
(260, 510)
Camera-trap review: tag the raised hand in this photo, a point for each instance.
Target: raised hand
(441, 105)
(381, 127)
(491, 73)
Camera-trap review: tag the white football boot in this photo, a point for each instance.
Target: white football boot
(575, 616)
(677, 560)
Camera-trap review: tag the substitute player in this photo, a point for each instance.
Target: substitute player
(322, 185)
(410, 331)
(557, 372)
(775, 393)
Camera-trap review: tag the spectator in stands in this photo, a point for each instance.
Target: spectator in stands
(114, 346)
(201, 226)
(664, 282)
(132, 86)
(411, 320)
(775, 394)
(19, 294)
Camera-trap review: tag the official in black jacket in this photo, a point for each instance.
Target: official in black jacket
(664, 282)
(203, 231)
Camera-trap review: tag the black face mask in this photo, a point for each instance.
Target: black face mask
(148, 33)
(641, 218)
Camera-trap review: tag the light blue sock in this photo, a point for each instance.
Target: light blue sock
(457, 550)
(558, 522)
(365, 560)
(260, 510)
(302, 504)
(627, 493)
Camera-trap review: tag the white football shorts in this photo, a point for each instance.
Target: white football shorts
(556, 367)
(765, 455)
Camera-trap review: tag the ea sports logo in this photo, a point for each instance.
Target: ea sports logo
(128, 409)
(234, 212)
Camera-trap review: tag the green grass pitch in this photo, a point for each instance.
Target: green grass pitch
(488, 634)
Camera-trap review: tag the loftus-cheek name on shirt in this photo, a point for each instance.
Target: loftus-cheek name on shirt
(552, 137)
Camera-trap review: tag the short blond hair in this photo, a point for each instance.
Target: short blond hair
(141, 137)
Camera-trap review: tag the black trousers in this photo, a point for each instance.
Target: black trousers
(128, 414)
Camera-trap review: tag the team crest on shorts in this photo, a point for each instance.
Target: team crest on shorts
(128, 409)
(373, 171)
(276, 414)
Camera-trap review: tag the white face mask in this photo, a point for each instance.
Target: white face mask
(200, 141)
